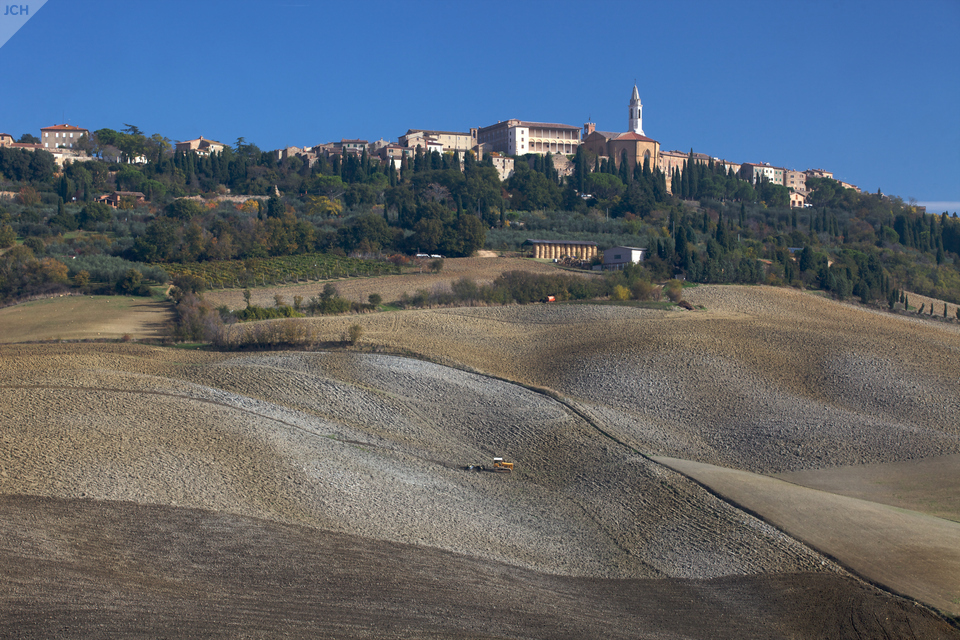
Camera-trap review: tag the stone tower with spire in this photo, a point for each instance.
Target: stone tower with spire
(636, 113)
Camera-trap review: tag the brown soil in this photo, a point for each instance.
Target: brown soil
(906, 551)
(311, 447)
(109, 569)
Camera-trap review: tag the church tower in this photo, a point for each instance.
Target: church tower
(636, 113)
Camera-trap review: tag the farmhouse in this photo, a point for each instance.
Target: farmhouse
(201, 146)
(61, 136)
(116, 198)
(618, 257)
(554, 249)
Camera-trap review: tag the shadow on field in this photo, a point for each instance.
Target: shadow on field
(118, 569)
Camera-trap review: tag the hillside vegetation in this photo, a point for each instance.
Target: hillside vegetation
(297, 221)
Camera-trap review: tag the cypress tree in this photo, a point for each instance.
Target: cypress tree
(418, 160)
(581, 170)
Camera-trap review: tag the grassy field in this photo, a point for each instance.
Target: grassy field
(928, 485)
(85, 318)
(390, 288)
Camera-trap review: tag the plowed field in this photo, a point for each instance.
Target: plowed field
(155, 492)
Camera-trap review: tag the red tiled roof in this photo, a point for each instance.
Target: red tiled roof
(63, 127)
(634, 136)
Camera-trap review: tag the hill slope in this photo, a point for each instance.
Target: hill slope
(296, 455)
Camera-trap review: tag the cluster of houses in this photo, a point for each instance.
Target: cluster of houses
(499, 142)
(508, 138)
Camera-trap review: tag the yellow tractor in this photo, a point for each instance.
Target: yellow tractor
(502, 467)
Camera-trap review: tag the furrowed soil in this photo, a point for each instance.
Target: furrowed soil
(197, 494)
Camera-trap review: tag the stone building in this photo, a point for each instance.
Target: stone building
(450, 140)
(201, 146)
(61, 136)
(795, 180)
(519, 137)
(670, 160)
(638, 147)
(818, 173)
(752, 172)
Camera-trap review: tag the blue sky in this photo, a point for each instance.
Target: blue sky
(868, 90)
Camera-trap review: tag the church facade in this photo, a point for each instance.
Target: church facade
(637, 147)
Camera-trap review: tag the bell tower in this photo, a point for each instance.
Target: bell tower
(636, 113)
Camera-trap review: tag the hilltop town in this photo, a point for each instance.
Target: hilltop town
(501, 142)
(529, 380)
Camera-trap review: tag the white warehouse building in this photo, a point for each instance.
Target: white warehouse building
(618, 257)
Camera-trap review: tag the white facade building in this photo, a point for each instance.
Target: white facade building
(517, 137)
(618, 257)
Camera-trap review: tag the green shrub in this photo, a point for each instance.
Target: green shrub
(354, 333)
(674, 291)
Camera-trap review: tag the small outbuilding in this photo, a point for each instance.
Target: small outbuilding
(117, 198)
(618, 257)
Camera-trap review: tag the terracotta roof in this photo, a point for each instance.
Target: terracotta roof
(63, 127)
(634, 136)
(606, 134)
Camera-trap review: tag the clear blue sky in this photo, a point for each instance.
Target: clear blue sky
(868, 90)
